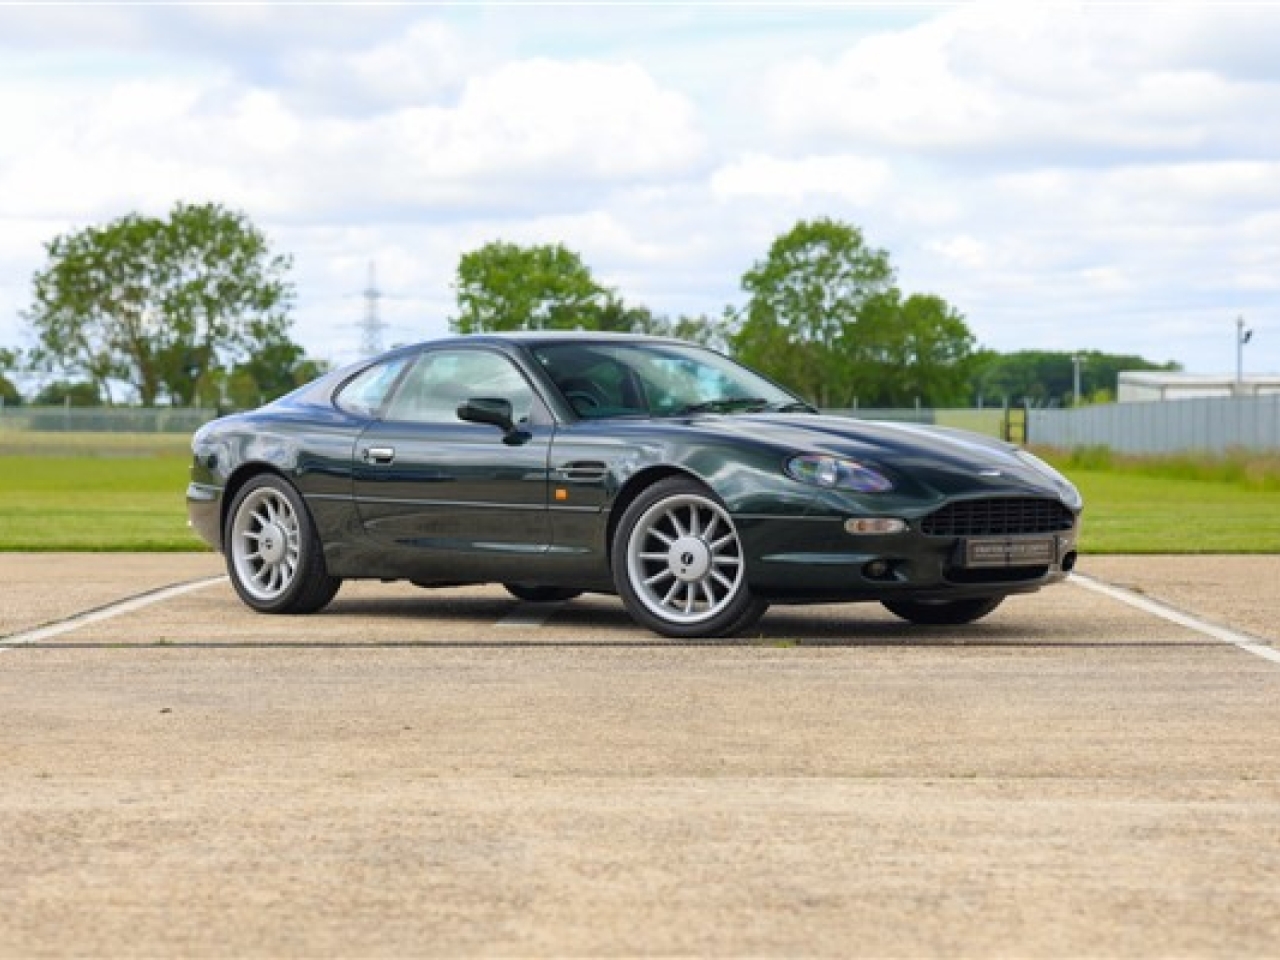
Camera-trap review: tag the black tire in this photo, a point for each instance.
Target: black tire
(678, 563)
(541, 594)
(943, 612)
(274, 556)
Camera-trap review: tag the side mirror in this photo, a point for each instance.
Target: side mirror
(494, 411)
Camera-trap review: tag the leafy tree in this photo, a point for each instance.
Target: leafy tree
(159, 303)
(1046, 378)
(805, 300)
(78, 394)
(9, 393)
(618, 316)
(503, 286)
(825, 317)
(272, 371)
(926, 347)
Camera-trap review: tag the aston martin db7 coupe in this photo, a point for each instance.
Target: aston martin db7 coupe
(693, 488)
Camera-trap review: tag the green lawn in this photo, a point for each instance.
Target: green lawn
(1130, 513)
(120, 503)
(94, 503)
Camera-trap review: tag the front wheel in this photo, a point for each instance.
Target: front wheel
(274, 555)
(678, 563)
(943, 612)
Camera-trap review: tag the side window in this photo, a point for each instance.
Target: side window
(442, 379)
(365, 394)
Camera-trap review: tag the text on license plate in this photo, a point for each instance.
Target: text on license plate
(1010, 551)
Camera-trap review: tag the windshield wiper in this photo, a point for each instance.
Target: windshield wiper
(792, 406)
(724, 405)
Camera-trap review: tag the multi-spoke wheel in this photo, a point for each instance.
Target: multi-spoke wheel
(943, 612)
(273, 554)
(679, 566)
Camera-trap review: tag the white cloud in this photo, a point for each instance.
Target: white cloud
(854, 179)
(1009, 82)
(1066, 175)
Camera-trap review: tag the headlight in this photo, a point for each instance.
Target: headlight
(1062, 483)
(836, 474)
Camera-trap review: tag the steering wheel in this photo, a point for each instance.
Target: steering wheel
(584, 395)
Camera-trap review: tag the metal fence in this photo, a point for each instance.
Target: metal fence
(1171, 426)
(1212, 424)
(67, 419)
(992, 421)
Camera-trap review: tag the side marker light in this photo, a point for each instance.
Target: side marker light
(877, 526)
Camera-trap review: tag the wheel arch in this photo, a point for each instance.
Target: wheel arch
(632, 489)
(235, 483)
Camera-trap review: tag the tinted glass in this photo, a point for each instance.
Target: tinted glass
(365, 395)
(442, 379)
(614, 380)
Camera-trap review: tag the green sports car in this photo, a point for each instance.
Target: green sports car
(693, 488)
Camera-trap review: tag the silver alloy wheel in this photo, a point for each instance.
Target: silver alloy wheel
(265, 543)
(684, 559)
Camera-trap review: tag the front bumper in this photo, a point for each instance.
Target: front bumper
(804, 560)
(204, 512)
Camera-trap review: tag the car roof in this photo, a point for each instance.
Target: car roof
(531, 337)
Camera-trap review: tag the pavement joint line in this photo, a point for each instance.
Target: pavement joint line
(111, 610)
(1254, 645)
(529, 616)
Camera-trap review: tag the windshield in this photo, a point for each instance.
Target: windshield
(656, 380)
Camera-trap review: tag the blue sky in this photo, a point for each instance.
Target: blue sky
(1069, 176)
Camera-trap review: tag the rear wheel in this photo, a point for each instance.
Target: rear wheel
(943, 612)
(541, 594)
(274, 556)
(678, 563)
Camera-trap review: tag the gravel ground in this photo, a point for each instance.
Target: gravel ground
(445, 773)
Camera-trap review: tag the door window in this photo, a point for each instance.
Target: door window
(442, 379)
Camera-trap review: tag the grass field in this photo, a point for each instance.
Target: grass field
(110, 498)
(110, 503)
(1127, 513)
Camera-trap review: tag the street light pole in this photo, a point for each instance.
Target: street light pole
(1076, 360)
(1242, 337)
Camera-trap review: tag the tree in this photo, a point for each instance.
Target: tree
(825, 318)
(503, 286)
(618, 316)
(272, 371)
(805, 301)
(1046, 377)
(78, 394)
(914, 350)
(160, 303)
(9, 393)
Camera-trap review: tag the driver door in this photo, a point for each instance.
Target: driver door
(449, 497)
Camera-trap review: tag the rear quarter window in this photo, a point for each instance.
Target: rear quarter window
(366, 393)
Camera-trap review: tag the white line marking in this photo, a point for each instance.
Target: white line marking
(1243, 641)
(106, 613)
(529, 616)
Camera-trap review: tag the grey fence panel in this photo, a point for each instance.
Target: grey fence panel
(104, 419)
(1211, 424)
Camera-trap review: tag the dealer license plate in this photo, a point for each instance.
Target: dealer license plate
(1010, 551)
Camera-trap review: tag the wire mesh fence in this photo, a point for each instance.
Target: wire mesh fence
(1208, 424)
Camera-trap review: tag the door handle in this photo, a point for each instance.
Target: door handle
(378, 455)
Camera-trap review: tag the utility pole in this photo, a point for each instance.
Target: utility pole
(1076, 362)
(1243, 336)
(371, 326)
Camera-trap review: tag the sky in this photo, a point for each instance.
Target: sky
(1069, 176)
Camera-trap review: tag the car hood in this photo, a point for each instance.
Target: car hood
(920, 459)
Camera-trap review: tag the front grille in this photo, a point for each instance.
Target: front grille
(998, 517)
